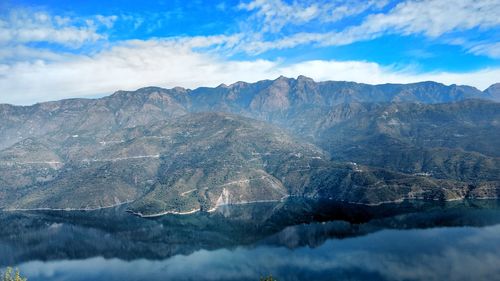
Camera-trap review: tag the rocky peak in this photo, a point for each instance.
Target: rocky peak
(273, 98)
(302, 78)
(237, 85)
(282, 78)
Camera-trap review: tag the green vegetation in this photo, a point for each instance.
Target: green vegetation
(156, 148)
(457, 141)
(9, 275)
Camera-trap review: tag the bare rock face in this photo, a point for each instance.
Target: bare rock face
(179, 150)
(273, 98)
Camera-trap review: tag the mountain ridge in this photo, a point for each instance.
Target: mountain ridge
(299, 78)
(179, 150)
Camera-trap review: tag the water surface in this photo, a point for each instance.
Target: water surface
(293, 240)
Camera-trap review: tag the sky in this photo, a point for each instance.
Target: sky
(55, 49)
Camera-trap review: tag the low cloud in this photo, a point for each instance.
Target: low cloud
(180, 62)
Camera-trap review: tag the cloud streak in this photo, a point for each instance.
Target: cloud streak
(22, 26)
(430, 18)
(274, 15)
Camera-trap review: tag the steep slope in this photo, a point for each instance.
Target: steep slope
(194, 151)
(458, 140)
(299, 104)
(283, 101)
(154, 148)
(284, 93)
(198, 162)
(88, 117)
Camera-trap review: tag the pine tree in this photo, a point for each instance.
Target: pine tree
(7, 276)
(18, 277)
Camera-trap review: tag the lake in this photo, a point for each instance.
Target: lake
(292, 240)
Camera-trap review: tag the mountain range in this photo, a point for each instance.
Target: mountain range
(181, 150)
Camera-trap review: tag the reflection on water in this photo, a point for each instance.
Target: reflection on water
(295, 240)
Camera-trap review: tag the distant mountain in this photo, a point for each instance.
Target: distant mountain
(281, 101)
(181, 150)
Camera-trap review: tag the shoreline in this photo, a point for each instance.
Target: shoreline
(193, 211)
(292, 196)
(141, 215)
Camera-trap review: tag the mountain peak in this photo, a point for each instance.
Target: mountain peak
(282, 78)
(179, 89)
(304, 78)
(238, 84)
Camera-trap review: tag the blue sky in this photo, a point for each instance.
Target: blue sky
(60, 49)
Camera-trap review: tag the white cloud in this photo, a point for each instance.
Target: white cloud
(128, 66)
(254, 45)
(24, 53)
(29, 75)
(351, 8)
(107, 21)
(23, 26)
(174, 62)
(276, 14)
(431, 18)
(488, 49)
(435, 17)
